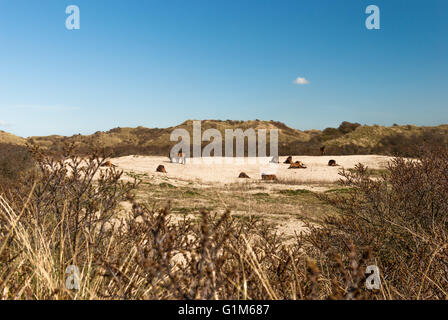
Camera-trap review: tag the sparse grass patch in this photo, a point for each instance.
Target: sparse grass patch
(340, 190)
(138, 176)
(183, 210)
(261, 194)
(191, 193)
(295, 181)
(372, 172)
(167, 185)
(294, 192)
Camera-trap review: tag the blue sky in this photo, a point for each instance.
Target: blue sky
(158, 63)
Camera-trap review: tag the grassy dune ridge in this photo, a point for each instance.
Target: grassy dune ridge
(348, 138)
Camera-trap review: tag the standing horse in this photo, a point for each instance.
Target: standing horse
(180, 158)
(322, 150)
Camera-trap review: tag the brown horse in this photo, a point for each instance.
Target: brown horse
(322, 150)
(161, 168)
(288, 160)
(243, 175)
(108, 164)
(297, 165)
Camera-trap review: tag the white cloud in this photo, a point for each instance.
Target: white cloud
(301, 81)
(3, 123)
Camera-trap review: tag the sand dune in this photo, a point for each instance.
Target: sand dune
(226, 170)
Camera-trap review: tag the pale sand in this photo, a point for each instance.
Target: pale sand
(206, 171)
(317, 177)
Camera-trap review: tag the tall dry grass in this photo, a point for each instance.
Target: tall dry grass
(66, 212)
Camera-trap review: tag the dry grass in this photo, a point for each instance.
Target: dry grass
(8, 138)
(61, 215)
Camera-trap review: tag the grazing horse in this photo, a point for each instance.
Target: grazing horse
(288, 160)
(297, 165)
(322, 150)
(161, 168)
(108, 164)
(243, 175)
(332, 163)
(179, 159)
(271, 177)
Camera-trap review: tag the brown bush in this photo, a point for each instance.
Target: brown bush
(402, 217)
(15, 160)
(347, 127)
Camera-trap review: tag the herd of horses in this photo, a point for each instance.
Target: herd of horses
(294, 165)
(180, 158)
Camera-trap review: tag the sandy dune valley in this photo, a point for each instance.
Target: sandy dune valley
(221, 170)
(213, 185)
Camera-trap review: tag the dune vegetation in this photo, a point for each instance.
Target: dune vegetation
(66, 218)
(348, 138)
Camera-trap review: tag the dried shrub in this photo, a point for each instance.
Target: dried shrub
(402, 217)
(15, 160)
(67, 212)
